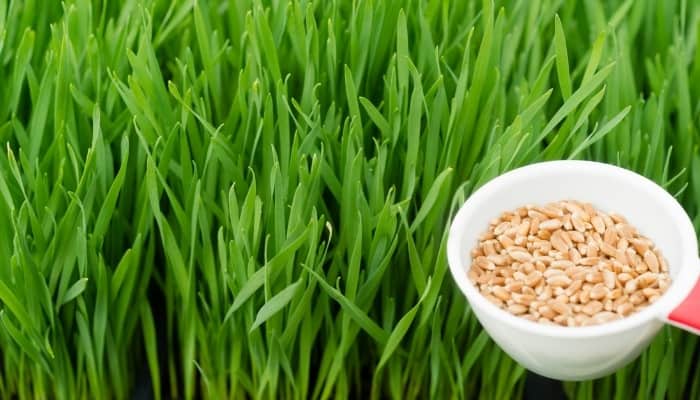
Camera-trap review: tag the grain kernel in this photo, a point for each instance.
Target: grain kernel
(625, 309)
(592, 249)
(605, 316)
(547, 312)
(594, 277)
(581, 320)
(578, 222)
(494, 300)
(505, 241)
(637, 298)
(559, 243)
(552, 211)
(573, 299)
(528, 290)
(618, 218)
(533, 278)
(523, 299)
(527, 267)
(552, 271)
(609, 279)
(485, 278)
(574, 287)
(608, 249)
(574, 255)
(560, 308)
(501, 293)
(577, 237)
(514, 286)
(517, 309)
(524, 228)
(598, 292)
(497, 280)
(589, 261)
(621, 257)
(498, 259)
(500, 228)
(622, 300)
(592, 308)
(614, 294)
(646, 279)
(562, 264)
(559, 280)
(640, 246)
(598, 224)
(662, 262)
(651, 261)
(521, 256)
(473, 275)
(584, 296)
(551, 224)
(546, 294)
(566, 238)
(608, 305)
(534, 225)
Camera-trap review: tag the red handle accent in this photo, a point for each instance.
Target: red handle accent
(687, 314)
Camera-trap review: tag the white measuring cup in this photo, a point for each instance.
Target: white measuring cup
(579, 353)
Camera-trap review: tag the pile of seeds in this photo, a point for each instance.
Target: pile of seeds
(567, 263)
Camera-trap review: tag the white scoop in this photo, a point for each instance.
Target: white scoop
(578, 353)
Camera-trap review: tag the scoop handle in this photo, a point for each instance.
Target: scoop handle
(686, 315)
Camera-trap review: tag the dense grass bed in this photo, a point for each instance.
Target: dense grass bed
(249, 199)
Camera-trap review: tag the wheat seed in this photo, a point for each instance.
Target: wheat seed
(567, 264)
